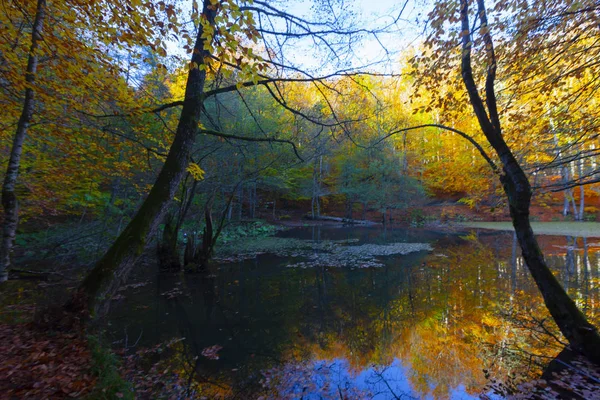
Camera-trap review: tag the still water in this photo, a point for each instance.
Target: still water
(430, 324)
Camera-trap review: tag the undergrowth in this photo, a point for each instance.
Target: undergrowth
(105, 366)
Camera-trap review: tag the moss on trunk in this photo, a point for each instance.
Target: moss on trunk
(114, 267)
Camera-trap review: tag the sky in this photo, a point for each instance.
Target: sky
(371, 14)
(373, 54)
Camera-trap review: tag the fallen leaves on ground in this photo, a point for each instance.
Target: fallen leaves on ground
(157, 380)
(56, 365)
(34, 365)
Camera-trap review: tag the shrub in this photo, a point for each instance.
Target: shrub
(105, 365)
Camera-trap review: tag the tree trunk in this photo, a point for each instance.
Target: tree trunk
(581, 335)
(190, 250)
(241, 203)
(564, 175)
(167, 252)
(565, 202)
(570, 320)
(229, 212)
(319, 180)
(513, 265)
(112, 270)
(210, 236)
(315, 198)
(572, 199)
(581, 192)
(404, 156)
(205, 252)
(253, 200)
(349, 206)
(9, 198)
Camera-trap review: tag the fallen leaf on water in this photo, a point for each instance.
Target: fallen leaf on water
(211, 352)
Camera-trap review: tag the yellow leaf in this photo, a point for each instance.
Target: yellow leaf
(196, 172)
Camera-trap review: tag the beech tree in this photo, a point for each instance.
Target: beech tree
(113, 268)
(478, 62)
(224, 48)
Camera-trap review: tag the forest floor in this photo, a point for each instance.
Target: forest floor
(36, 364)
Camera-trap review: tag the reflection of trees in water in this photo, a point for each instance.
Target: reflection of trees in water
(538, 340)
(443, 319)
(570, 271)
(513, 265)
(333, 379)
(440, 314)
(586, 276)
(578, 267)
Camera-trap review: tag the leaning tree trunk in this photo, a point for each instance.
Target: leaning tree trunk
(581, 335)
(114, 267)
(9, 198)
(572, 323)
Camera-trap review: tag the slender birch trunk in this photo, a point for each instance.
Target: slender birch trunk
(581, 192)
(9, 198)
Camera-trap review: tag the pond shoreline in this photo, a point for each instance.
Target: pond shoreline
(559, 228)
(578, 229)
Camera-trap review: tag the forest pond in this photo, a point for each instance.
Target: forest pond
(440, 321)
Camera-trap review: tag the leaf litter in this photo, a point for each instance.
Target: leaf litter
(329, 253)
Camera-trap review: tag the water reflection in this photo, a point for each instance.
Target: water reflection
(435, 324)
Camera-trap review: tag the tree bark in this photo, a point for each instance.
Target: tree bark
(564, 175)
(203, 255)
(9, 198)
(167, 249)
(210, 236)
(167, 252)
(253, 200)
(112, 270)
(581, 335)
(581, 192)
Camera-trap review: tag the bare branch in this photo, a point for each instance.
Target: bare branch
(251, 139)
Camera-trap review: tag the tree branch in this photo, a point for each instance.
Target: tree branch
(490, 94)
(447, 128)
(250, 139)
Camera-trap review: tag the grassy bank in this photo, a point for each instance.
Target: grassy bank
(565, 228)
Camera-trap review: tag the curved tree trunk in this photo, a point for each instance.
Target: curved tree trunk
(114, 267)
(9, 198)
(572, 323)
(581, 335)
